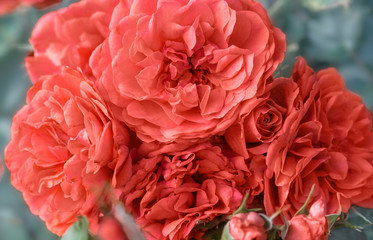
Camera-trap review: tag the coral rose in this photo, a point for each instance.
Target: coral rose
(247, 226)
(64, 148)
(264, 118)
(311, 227)
(176, 187)
(329, 145)
(6, 6)
(68, 36)
(178, 70)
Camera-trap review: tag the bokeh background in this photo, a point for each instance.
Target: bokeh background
(337, 33)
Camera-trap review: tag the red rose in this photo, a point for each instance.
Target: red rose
(178, 70)
(330, 145)
(64, 147)
(264, 118)
(68, 36)
(174, 187)
(312, 227)
(247, 226)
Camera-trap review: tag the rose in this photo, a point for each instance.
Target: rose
(178, 70)
(68, 36)
(64, 148)
(311, 227)
(247, 226)
(263, 118)
(176, 187)
(110, 229)
(7, 6)
(330, 145)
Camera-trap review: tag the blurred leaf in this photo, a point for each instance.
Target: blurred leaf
(318, 5)
(333, 35)
(11, 227)
(77, 231)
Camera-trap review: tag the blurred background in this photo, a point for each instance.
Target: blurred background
(336, 33)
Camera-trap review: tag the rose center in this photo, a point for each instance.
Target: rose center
(179, 70)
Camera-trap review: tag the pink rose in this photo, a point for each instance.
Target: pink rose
(329, 145)
(64, 148)
(110, 229)
(175, 187)
(178, 70)
(68, 36)
(247, 226)
(6, 6)
(311, 227)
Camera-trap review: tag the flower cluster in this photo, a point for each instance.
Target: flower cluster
(173, 107)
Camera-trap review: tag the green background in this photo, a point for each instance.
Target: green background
(336, 33)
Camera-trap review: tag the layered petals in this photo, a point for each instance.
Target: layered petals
(68, 36)
(178, 70)
(65, 147)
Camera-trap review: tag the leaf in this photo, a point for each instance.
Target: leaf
(77, 231)
(334, 34)
(319, 5)
(332, 218)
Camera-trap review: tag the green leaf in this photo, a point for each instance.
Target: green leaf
(332, 218)
(334, 34)
(319, 5)
(77, 231)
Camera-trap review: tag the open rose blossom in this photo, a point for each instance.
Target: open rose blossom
(68, 36)
(176, 187)
(178, 70)
(64, 148)
(311, 227)
(329, 145)
(247, 226)
(264, 118)
(6, 6)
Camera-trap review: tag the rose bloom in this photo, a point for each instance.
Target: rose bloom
(110, 229)
(178, 70)
(68, 36)
(311, 227)
(6, 6)
(247, 226)
(329, 145)
(264, 118)
(176, 187)
(65, 147)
